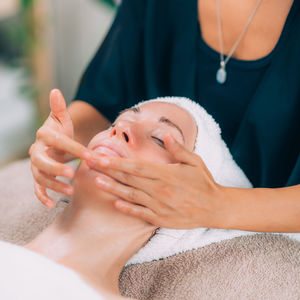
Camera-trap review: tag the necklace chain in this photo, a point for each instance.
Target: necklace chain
(222, 61)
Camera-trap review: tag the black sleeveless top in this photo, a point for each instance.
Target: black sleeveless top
(154, 48)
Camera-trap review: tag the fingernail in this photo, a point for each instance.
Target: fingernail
(92, 162)
(87, 155)
(101, 181)
(68, 190)
(50, 204)
(171, 139)
(55, 92)
(68, 173)
(120, 204)
(104, 161)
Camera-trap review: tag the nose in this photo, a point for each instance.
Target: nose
(124, 131)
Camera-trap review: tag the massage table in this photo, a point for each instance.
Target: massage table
(257, 266)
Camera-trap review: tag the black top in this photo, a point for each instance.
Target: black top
(154, 48)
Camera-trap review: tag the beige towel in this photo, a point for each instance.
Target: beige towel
(22, 216)
(250, 267)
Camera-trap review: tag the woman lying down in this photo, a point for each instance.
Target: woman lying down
(81, 255)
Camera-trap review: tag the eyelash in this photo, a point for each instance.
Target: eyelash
(159, 142)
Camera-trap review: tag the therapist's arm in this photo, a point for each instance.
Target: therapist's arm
(87, 121)
(263, 209)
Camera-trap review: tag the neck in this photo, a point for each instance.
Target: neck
(95, 242)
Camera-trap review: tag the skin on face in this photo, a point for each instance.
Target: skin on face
(139, 134)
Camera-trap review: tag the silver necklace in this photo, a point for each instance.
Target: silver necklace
(221, 73)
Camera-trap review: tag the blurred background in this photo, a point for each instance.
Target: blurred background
(44, 44)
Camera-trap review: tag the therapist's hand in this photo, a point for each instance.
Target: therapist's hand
(53, 147)
(181, 195)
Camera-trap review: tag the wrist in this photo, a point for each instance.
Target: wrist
(216, 212)
(257, 209)
(248, 209)
(224, 208)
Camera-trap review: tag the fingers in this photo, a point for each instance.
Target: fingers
(143, 184)
(44, 170)
(137, 211)
(62, 142)
(41, 194)
(127, 193)
(135, 167)
(180, 153)
(52, 147)
(50, 182)
(41, 161)
(58, 106)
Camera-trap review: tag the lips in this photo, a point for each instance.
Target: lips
(108, 148)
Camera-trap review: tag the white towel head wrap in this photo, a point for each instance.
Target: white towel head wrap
(215, 154)
(209, 144)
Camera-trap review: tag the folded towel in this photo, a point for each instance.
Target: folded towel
(261, 267)
(26, 275)
(168, 242)
(22, 216)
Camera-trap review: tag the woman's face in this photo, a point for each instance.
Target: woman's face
(139, 133)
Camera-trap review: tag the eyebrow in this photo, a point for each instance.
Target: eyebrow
(133, 109)
(161, 120)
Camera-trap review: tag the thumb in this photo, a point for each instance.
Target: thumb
(58, 106)
(179, 152)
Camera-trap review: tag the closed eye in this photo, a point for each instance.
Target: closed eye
(159, 142)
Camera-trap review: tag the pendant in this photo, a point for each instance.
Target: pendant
(221, 75)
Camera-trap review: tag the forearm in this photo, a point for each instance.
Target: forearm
(87, 121)
(262, 209)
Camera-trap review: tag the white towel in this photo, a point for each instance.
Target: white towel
(26, 275)
(215, 154)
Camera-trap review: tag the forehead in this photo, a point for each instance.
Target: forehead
(169, 110)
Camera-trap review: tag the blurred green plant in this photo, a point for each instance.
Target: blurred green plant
(25, 4)
(16, 35)
(17, 40)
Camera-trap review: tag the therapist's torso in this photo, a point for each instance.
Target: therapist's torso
(155, 48)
